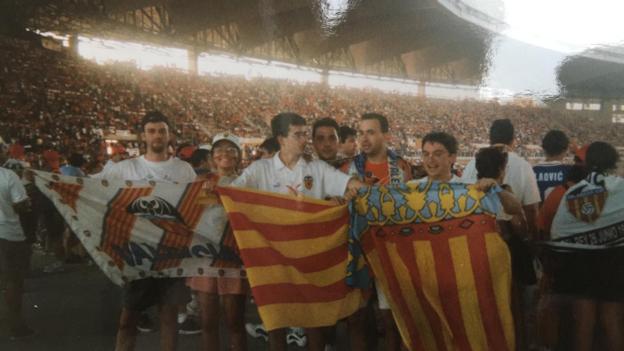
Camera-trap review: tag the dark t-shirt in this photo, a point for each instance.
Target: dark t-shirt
(550, 175)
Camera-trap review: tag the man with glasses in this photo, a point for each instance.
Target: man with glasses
(290, 172)
(439, 153)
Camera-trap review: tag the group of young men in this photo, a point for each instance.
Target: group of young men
(336, 175)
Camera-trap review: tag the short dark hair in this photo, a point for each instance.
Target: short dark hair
(325, 122)
(446, 139)
(576, 174)
(270, 144)
(501, 132)
(489, 162)
(555, 143)
(198, 156)
(280, 124)
(383, 121)
(601, 157)
(154, 117)
(345, 132)
(76, 160)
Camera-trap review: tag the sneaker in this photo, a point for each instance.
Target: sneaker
(257, 331)
(21, 332)
(54, 267)
(296, 336)
(190, 326)
(145, 324)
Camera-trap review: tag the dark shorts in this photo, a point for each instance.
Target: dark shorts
(140, 294)
(14, 259)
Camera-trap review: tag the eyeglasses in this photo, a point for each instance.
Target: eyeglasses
(435, 154)
(299, 135)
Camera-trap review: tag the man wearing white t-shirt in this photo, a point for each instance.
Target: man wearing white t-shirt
(289, 172)
(14, 249)
(519, 174)
(520, 177)
(167, 293)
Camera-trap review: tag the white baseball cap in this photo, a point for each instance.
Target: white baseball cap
(229, 137)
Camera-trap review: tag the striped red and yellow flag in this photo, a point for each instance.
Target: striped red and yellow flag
(449, 291)
(443, 267)
(295, 254)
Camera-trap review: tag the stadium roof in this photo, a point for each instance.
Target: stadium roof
(416, 39)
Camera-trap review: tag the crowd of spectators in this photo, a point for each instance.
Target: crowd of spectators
(56, 101)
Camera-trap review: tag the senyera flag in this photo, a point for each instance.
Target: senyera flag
(435, 252)
(295, 253)
(139, 229)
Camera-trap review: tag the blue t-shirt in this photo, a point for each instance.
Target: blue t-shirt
(550, 175)
(72, 171)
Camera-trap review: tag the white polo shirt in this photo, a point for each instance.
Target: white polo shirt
(315, 179)
(11, 192)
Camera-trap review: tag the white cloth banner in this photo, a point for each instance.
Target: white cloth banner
(139, 229)
(591, 216)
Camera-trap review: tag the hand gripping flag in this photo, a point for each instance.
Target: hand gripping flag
(295, 253)
(141, 229)
(435, 252)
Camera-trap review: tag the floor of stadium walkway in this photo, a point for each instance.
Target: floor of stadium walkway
(77, 309)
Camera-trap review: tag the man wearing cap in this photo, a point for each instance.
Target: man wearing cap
(14, 249)
(227, 290)
(289, 172)
(168, 293)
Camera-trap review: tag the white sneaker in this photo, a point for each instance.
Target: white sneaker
(56, 266)
(257, 331)
(296, 336)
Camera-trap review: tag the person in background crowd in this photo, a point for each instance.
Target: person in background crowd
(14, 248)
(325, 143)
(520, 177)
(598, 299)
(490, 163)
(74, 166)
(348, 142)
(553, 170)
(268, 148)
(201, 160)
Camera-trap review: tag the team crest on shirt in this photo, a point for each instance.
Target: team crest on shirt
(308, 182)
(587, 205)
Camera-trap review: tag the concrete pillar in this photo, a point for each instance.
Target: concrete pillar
(73, 44)
(325, 77)
(192, 60)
